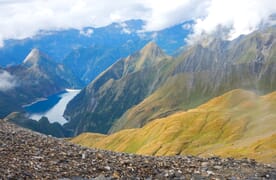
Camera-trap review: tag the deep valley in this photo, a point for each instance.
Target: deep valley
(138, 89)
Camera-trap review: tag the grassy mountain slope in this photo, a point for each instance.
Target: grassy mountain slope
(239, 124)
(203, 72)
(121, 86)
(128, 95)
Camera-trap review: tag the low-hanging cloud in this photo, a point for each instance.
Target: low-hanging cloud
(20, 19)
(7, 81)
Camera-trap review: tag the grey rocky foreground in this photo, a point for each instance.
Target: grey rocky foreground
(28, 155)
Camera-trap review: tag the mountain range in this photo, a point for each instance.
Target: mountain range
(72, 58)
(211, 97)
(130, 93)
(90, 51)
(202, 73)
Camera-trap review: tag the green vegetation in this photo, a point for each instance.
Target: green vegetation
(201, 73)
(237, 124)
(149, 85)
(123, 85)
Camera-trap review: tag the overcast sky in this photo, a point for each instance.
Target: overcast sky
(24, 18)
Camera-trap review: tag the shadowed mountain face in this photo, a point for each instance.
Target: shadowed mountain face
(236, 124)
(201, 72)
(38, 76)
(117, 89)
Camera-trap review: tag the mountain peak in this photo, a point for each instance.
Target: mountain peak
(148, 56)
(152, 50)
(34, 57)
(151, 44)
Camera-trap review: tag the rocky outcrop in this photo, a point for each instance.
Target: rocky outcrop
(28, 155)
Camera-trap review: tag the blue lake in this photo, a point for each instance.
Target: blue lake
(52, 107)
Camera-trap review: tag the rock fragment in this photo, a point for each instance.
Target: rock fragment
(28, 155)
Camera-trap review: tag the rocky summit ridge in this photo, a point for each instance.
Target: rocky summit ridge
(28, 155)
(33, 57)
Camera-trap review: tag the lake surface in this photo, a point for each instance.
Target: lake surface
(52, 107)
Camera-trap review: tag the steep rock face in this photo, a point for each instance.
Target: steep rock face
(121, 86)
(38, 76)
(237, 124)
(203, 72)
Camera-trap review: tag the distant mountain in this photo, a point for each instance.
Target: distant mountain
(199, 73)
(42, 66)
(90, 51)
(38, 76)
(121, 86)
(88, 62)
(237, 124)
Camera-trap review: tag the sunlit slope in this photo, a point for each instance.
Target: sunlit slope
(203, 72)
(237, 124)
(185, 91)
(88, 139)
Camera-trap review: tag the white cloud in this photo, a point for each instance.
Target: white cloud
(7, 81)
(21, 19)
(234, 17)
(26, 18)
(125, 28)
(166, 13)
